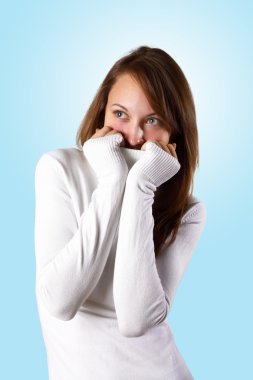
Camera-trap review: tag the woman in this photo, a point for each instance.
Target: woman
(116, 225)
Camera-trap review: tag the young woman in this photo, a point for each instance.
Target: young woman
(116, 225)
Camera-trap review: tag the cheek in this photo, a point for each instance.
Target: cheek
(157, 135)
(115, 124)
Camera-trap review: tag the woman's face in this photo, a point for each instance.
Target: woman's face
(129, 112)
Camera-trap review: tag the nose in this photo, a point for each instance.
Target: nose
(134, 134)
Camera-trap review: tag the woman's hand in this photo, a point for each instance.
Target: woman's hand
(158, 164)
(169, 148)
(104, 131)
(103, 153)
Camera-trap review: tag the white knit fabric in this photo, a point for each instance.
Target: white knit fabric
(102, 296)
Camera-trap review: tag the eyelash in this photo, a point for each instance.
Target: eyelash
(155, 118)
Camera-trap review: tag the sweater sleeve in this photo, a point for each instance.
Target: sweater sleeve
(142, 281)
(70, 253)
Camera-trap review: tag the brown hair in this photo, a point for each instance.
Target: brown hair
(169, 93)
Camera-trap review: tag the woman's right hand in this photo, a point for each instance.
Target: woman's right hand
(104, 131)
(103, 153)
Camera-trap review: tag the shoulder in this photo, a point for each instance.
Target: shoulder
(61, 159)
(196, 211)
(60, 168)
(64, 156)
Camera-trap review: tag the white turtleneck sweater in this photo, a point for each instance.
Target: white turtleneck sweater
(102, 295)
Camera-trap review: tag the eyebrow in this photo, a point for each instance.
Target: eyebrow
(117, 104)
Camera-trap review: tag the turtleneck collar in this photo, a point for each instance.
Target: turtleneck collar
(131, 155)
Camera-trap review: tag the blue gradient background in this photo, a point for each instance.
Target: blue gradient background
(54, 57)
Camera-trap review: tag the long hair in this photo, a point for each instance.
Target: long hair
(168, 92)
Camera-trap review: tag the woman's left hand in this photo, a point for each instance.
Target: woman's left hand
(158, 164)
(169, 148)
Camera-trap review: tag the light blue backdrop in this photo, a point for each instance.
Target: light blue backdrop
(54, 56)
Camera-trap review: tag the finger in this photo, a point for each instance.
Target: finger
(113, 132)
(143, 147)
(169, 148)
(104, 130)
(100, 132)
(172, 150)
(163, 146)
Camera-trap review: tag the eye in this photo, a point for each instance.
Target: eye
(117, 113)
(154, 120)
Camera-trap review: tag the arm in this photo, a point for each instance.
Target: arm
(143, 289)
(71, 254)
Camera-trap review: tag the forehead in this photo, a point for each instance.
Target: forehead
(127, 88)
(125, 81)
